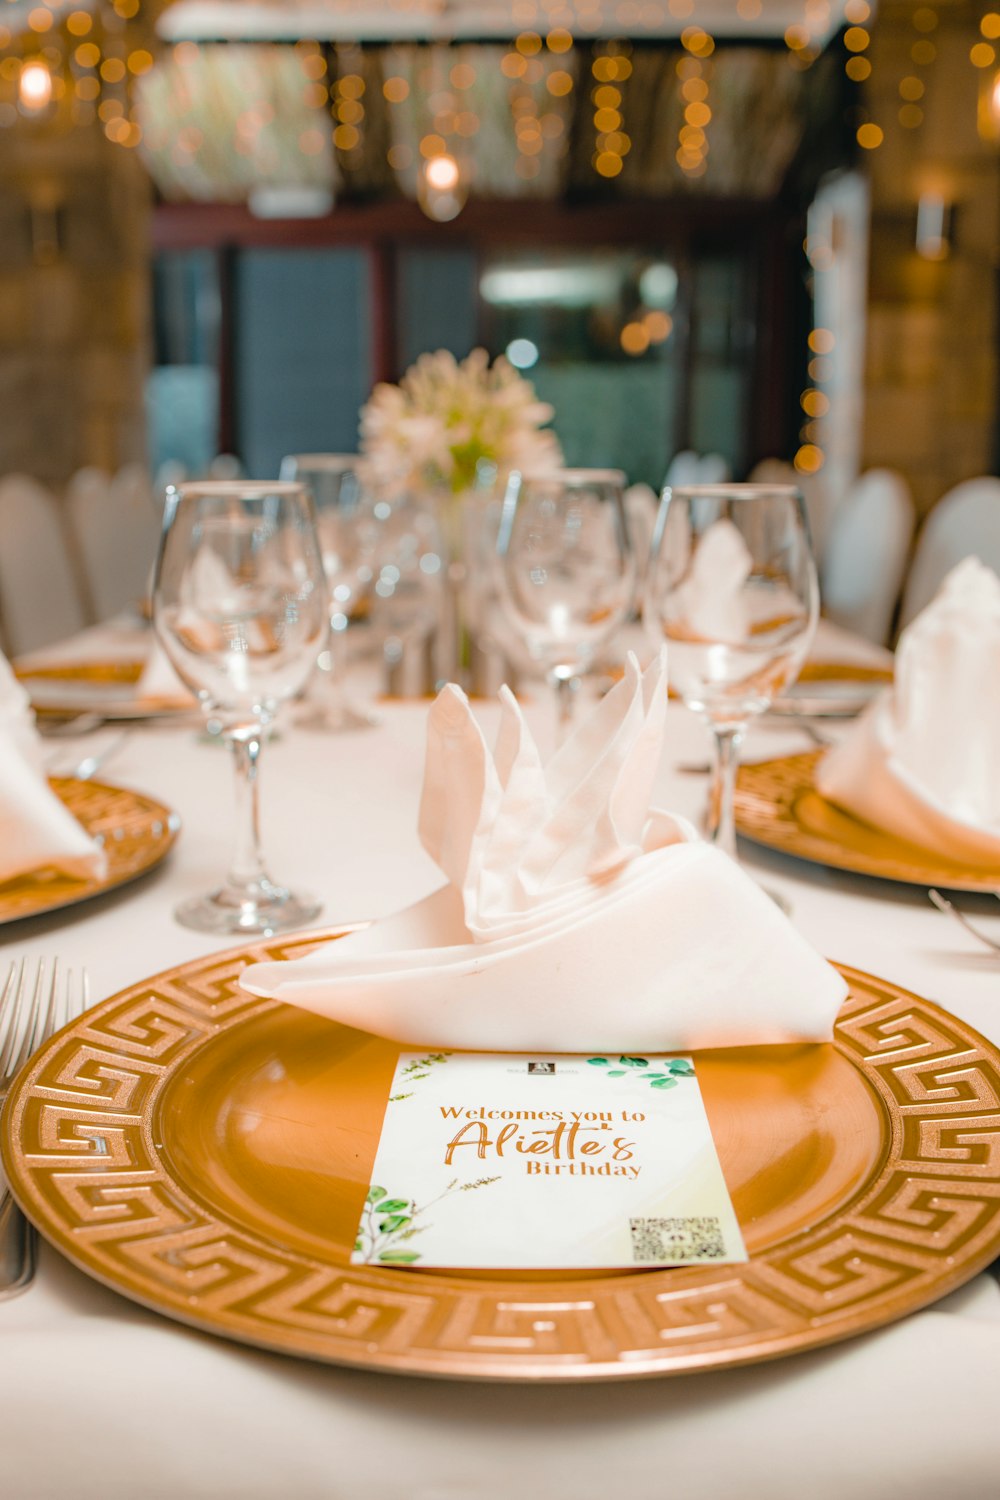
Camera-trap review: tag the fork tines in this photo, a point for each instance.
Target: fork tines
(31, 1012)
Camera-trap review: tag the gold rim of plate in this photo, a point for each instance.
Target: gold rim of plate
(777, 805)
(136, 832)
(207, 1154)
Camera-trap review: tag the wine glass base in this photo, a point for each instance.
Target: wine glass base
(228, 912)
(337, 720)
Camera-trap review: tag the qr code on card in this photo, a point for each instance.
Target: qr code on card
(696, 1237)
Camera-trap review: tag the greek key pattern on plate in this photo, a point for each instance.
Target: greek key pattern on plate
(773, 801)
(136, 832)
(81, 1154)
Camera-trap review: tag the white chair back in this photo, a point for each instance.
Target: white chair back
(714, 469)
(225, 466)
(39, 599)
(864, 562)
(115, 527)
(964, 523)
(684, 468)
(813, 491)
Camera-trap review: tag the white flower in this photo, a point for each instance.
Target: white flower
(445, 416)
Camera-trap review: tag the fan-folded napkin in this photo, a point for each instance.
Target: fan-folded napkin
(923, 760)
(36, 830)
(575, 917)
(711, 601)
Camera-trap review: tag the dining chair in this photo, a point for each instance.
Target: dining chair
(39, 597)
(114, 525)
(684, 468)
(713, 468)
(814, 492)
(964, 523)
(864, 561)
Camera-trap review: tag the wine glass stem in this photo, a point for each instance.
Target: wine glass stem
(337, 674)
(567, 685)
(247, 874)
(722, 801)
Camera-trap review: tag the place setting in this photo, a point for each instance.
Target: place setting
(67, 837)
(74, 695)
(330, 1142)
(908, 792)
(499, 721)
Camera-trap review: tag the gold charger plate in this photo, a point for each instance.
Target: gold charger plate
(107, 688)
(777, 805)
(135, 830)
(207, 1153)
(830, 690)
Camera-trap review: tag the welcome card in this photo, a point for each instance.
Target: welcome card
(501, 1161)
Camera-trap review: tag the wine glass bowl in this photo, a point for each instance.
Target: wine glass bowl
(566, 569)
(335, 484)
(239, 605)
(732, 589)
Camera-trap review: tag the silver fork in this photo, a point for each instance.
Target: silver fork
(950, 909)
(29, 1015)
(83, 770)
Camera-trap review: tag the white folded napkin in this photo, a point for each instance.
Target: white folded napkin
(576, 918)
(711, 603)
(36, 830)
(923, 760)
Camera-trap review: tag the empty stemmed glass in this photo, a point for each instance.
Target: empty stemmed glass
(565, 570)
(240, 606)
(732, 588)
(335, 485)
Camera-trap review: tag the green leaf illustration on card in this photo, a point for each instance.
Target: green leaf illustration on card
(663, 1083)
(387, 1220)
(634, 1062)
(616, 1073)
(681, 1066)
(598, 1062)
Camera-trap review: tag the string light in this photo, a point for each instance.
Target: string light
(694, 71)
(86, 57)
(347, 107)
(34, 87)
(610, 69)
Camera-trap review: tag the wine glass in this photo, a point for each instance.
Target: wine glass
(732, 588)
(405, 543)
(240, 606)
(565, 570)
(334, 483)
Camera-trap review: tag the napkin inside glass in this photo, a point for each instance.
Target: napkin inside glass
(36, 830)
(575, 917)
(923, 761)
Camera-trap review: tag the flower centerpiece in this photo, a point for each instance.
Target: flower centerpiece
(446, 417)
(446, 437)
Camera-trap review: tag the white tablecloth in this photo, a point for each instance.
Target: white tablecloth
(100, 1398)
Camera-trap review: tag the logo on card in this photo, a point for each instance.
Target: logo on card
(541, 1067)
